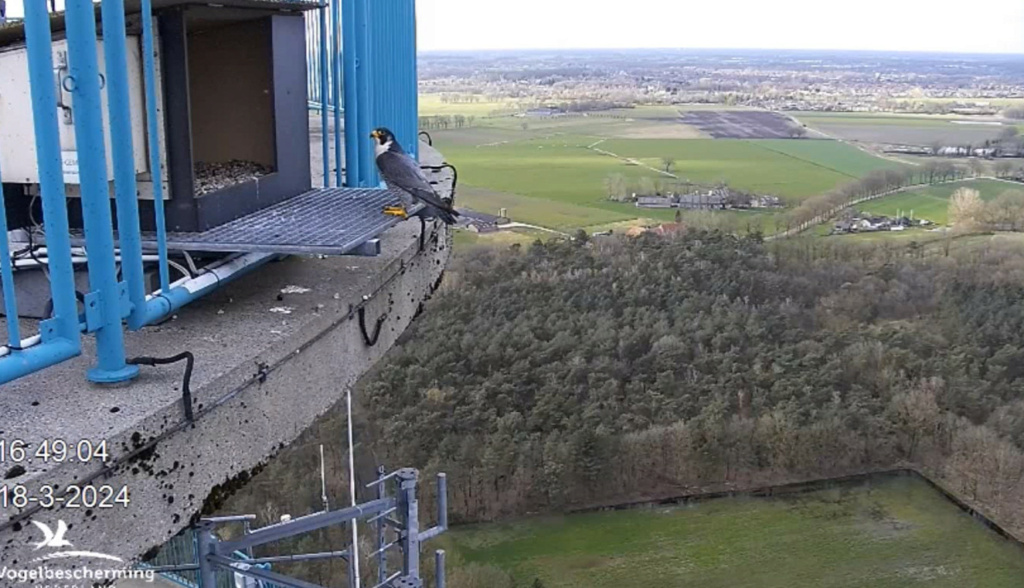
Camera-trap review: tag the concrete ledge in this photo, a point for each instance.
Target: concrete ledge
(267, 364)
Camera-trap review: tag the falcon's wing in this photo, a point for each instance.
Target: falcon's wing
(402, 171)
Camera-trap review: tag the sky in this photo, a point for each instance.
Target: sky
(956, 26)
(991, 26)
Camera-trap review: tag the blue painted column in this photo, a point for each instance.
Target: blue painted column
(152, 131)
(7, 270)
(51, 176)
(337, 68)
(324, 98)
(103, 302)
(352, 106)
(365, 120)
(59, 335)
(125, 190)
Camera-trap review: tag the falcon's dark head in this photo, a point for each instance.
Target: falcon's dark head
(385, 139)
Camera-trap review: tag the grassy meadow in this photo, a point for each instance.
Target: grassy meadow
(906, 129)
(545, 170)
(890, 534)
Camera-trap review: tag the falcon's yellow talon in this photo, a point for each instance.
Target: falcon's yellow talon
(396, 211)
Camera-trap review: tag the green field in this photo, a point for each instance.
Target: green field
(541, 170)
(556, 167)
(906, 129)
(932, 202)
(892, 534)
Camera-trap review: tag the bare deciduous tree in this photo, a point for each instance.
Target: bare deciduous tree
(965, 209)
(1003, 169)
(667, 163)
(616, 186)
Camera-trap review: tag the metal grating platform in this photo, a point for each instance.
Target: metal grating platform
(328, 221)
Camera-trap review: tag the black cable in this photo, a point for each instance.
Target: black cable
(186, 392)
(48, 309)
(423, 232)
(455, 175)
(370, 340)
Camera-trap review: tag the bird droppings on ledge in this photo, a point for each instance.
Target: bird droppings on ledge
(211, 177)
(292, 289)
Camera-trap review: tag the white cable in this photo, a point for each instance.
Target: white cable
(323, 481)
(352, 487)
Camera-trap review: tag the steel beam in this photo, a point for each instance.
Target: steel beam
(305, 525)
(259, 574)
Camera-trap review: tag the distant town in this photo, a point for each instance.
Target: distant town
(781, 81)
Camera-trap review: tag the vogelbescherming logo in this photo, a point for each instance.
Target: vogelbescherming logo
(59, 548)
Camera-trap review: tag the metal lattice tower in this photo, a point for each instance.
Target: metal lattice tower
(395, 511)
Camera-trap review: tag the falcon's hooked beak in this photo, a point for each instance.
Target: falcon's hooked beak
(375, 135)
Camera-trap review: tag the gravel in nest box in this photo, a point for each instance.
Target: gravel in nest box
(211, 177)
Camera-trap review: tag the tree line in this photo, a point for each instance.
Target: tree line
(445, 122)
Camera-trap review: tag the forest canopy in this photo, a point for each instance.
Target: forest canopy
(574, 372)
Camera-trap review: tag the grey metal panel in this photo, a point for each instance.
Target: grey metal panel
(13, 31)
(181, 211)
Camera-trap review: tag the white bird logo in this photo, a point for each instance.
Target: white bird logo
(52, 539)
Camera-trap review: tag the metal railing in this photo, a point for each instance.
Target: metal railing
(380, 66)
(318, 42)
(184, 548)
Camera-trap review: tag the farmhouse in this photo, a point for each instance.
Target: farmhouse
(713, 200)
(707, 199)
(765, 202)
(872, 223)
(655, 202)
(965, 151)
(544, 112)
(478, 222)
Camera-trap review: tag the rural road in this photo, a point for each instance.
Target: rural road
(514, 225)
(630, 160)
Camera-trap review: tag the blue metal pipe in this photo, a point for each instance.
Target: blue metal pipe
(324, 124)
(24, 362)
(125, 190)
(364, 64)
(336, 57)
(413, 113)
(165, 302)
(7, 269)
(149, 75)
(84, 79)
(64, 325)
(352, 106)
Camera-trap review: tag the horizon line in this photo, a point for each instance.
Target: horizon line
(1013, 53)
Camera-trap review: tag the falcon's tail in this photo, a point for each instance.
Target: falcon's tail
(447, 215)
(437, 207)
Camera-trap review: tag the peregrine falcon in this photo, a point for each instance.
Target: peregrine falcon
(401, 171)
